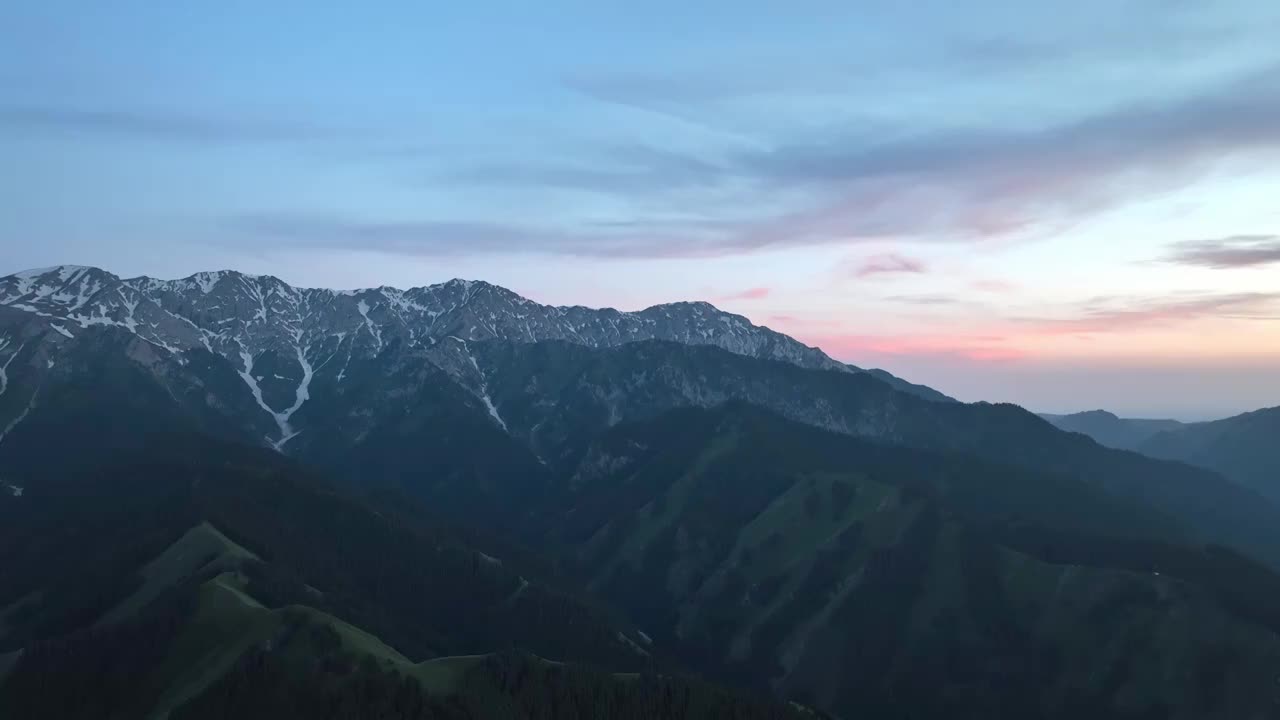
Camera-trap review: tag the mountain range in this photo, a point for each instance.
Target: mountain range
(279, 336)
(444, 493)
(1241, 448)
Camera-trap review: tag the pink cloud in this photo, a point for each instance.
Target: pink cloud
(755, 293)
(888, 264)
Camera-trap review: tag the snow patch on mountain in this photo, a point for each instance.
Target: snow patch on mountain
(301, 395)
(374, 331)
(342, 338)
(31, 404)
(4, 368)
(247, 375)
(483, 391)
(206, 281)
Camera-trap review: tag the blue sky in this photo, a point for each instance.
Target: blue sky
(1062, 205)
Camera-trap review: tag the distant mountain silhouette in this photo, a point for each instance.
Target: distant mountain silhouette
(1110, 430)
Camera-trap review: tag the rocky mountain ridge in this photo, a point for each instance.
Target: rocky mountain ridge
(278, 336)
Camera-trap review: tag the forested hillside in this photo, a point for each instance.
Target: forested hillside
(851, 575)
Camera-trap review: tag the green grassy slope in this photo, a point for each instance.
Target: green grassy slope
(220, 653)
(201, 549)
(225, 624)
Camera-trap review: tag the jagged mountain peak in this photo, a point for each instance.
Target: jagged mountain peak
(64, 271)
(61, 285)
(694, 308)
(208, 280)
(465, 284)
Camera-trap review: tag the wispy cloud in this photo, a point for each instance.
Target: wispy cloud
(917, 181)
(452, 238)
(622, 169)
(1119, 314)
(973, 184)
(153, 124)
(755, 293)
(1012, 338)
(888, 264)
(950, 56)
(1236, 251)
(416, 237)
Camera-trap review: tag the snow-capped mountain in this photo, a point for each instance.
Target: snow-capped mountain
(278, 337)
(230, 312)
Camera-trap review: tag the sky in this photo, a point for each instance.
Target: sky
(1064, 205)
